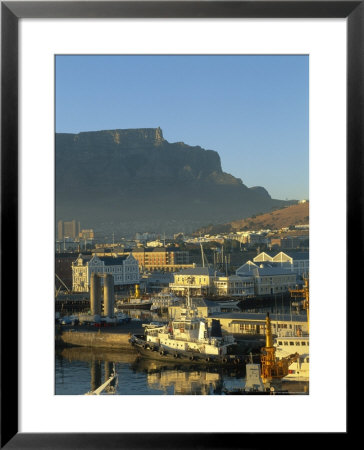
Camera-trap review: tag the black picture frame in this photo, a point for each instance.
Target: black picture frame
(11, 12)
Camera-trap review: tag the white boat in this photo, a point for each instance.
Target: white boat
(153, 324)
(286, 345)
(163, 300)
(187, 338)
(228, 302)
(290, 343)
(69, 320)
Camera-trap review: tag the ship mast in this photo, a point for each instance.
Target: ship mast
(189, 281)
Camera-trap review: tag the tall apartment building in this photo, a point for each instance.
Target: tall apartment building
(87, 234)
(69, 229)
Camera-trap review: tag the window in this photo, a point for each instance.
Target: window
(291, 343)
(297, 343)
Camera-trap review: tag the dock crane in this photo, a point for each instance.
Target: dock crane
(204, 257)
(273, 369)
(62, 283)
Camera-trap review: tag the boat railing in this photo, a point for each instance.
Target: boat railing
(209, 341)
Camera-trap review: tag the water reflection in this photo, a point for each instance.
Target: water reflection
(185, 379)
(202, 383)
(95, 374)
(145, 315)
(80, 370)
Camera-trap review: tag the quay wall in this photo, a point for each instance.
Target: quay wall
(96, 339)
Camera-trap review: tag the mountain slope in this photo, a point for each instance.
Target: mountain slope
(297, 214)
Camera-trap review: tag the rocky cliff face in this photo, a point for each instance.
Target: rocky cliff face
(135, 180)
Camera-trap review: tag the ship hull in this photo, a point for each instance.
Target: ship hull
(134, 306)
(163, 354)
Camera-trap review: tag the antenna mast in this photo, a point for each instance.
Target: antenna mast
(202, 255)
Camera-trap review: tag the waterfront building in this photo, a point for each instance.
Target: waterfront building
(200, 281)
(298, 262)
(234, 285)
(125, 270)
(269, 279)
(254, 323)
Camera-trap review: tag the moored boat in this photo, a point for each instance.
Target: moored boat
(135, 303)
(189, 339)
(299, 343)
(298, 369)
(163, 300)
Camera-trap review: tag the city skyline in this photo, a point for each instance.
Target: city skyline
(252, 110)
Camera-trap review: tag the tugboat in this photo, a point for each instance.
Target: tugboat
(189, 339)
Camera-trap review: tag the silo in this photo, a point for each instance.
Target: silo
(108, 370)
(95, 374)
(95, 294)
(108, 295)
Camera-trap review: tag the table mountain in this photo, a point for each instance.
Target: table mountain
(131, 180)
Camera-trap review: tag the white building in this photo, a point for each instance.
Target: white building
(125, 270)
(235, 285)
(268, 279)
(199, 280)
(204, 281)
(297, 262)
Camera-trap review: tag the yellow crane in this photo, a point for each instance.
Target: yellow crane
(273, 369)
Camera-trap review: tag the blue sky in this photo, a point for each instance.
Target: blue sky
(253, 110)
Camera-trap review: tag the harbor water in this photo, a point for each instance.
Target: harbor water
(81, 370)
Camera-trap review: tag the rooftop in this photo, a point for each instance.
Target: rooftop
(261, 317)
(206, 271)
(111, 261)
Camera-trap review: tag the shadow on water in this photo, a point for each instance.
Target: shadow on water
(88, 354)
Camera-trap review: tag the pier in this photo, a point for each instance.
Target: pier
(115, 337)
